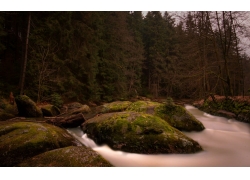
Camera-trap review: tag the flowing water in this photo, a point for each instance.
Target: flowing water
(226, 143)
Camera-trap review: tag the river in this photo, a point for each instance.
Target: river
(225, 142)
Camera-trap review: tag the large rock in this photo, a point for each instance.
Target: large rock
(67, 157)
(26, 107)
(50, 110)
(177, 116)
(138, 133)
(22, 140)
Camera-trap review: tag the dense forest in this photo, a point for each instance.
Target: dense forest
(106, 56)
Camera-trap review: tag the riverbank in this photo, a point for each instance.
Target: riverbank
(236, 107)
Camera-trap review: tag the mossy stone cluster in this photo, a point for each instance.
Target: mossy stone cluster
(137, 132)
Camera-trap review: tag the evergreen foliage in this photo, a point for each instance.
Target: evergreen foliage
(107, 56)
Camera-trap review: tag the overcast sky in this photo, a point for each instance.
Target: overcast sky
(125, 5)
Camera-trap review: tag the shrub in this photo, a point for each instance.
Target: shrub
(56, 100)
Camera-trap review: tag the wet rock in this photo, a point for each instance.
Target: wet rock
(138, 133)
(22, 140)
(26, 107)
(71, 156)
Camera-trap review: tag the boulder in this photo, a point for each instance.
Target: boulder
(50, 110)
(71, 156)
(22, 140)
(177, 116)
(26, 107)
(138, 133)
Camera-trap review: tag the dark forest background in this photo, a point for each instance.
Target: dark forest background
(106, 56)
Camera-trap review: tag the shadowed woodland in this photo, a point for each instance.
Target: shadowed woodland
(106, 56)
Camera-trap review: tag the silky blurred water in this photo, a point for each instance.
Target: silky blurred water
(226, 143)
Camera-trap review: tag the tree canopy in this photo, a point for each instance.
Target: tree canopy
(105, 56)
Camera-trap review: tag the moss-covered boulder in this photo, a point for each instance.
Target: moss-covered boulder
(71, 156)
(26, 107)
(138, 133)
(115, 106)
(50, 110)
(22, 140)
(177, 116)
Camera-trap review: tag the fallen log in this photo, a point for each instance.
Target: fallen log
(66, 122)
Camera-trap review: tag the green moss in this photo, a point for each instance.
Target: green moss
(142, 106)
(175, 115)
(178, 117)
(21, 140)
(139, 133)
(116, 106)
(71, 156)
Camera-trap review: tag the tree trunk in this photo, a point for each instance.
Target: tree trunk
(25, 56)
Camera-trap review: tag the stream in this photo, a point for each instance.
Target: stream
(225, 142)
